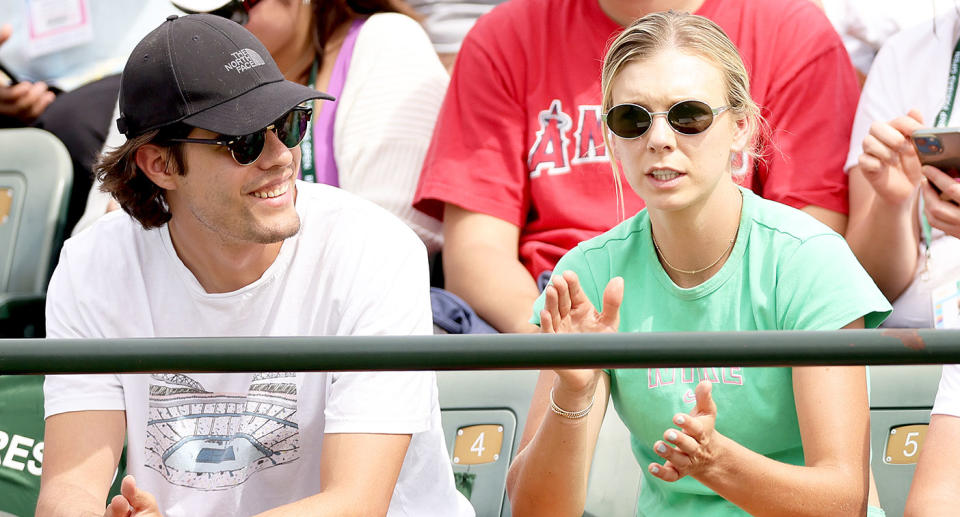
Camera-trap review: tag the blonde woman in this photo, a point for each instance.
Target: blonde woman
(704, 255)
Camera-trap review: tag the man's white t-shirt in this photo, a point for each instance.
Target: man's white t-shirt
(239, 444)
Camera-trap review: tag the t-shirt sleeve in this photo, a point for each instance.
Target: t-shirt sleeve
(880, 100)
(65, 393)
(948, 395)
(810, 109)
(476, 157)
(821, 286)
(391, 297)
(391, 285)
(380, 402)
(575, 260)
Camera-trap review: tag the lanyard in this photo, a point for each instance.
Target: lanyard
(306, 147)
(943, 118)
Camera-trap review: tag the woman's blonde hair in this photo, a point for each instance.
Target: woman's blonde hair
(690, 34)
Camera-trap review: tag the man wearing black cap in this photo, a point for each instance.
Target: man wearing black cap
(216, 238)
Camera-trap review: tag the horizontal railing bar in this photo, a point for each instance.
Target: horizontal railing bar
(472, 352)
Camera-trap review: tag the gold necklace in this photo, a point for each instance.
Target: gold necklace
(686, 271)
(701, 270)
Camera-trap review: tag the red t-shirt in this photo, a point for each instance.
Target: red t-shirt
(519, 135)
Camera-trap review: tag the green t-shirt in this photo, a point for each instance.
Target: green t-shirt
(787, 271)
(21, 445)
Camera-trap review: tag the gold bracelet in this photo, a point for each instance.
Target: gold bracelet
(573, 415)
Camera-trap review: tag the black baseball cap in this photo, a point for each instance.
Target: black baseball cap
(207, 72)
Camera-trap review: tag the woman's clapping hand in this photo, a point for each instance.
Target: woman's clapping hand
(693, 448)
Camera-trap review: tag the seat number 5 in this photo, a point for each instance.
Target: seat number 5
(909, 443)
(904, 443)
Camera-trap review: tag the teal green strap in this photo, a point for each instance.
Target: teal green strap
(927, 240)
(307, 165)
(943, 118)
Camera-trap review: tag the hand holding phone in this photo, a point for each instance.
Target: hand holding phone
(889, 162)
(21, 100)
(941, 201)
(940, 148)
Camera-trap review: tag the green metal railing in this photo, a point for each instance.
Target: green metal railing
(471, 352)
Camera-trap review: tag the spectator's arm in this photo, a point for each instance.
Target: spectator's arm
(832, 412)
(357, 476)
(884, 238)
(936, 482)
(81, 452)
(24, 101)
(481, 265)
(835, 220)
(883, 231)
(549, 476)
(550, 472)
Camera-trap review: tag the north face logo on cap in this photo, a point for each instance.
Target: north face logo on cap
(244, 59)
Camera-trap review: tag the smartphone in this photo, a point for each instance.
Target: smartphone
(939, 147)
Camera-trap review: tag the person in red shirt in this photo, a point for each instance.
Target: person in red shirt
(517, 166)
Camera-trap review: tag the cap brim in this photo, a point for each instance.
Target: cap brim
(255, 109)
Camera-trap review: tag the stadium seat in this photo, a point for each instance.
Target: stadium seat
(900, 401)
(35, 177)
(483, 415)
(485, 402)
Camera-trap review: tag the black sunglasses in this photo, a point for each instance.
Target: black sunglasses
(245, 149)
(685, 117)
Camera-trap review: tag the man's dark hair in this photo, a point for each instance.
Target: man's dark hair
(134, 191)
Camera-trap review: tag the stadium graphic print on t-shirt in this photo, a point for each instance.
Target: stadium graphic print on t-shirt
(214, 441)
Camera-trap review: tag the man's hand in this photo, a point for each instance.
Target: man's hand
(132, 502)
(24, 101)
(695, 449)
(889, 160)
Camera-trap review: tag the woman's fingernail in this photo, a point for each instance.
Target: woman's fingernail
(672, 436)
(661, 448)
(680, 420)
(655, 469)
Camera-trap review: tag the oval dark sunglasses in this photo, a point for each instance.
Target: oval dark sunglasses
(685, 117)
(246, 149)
